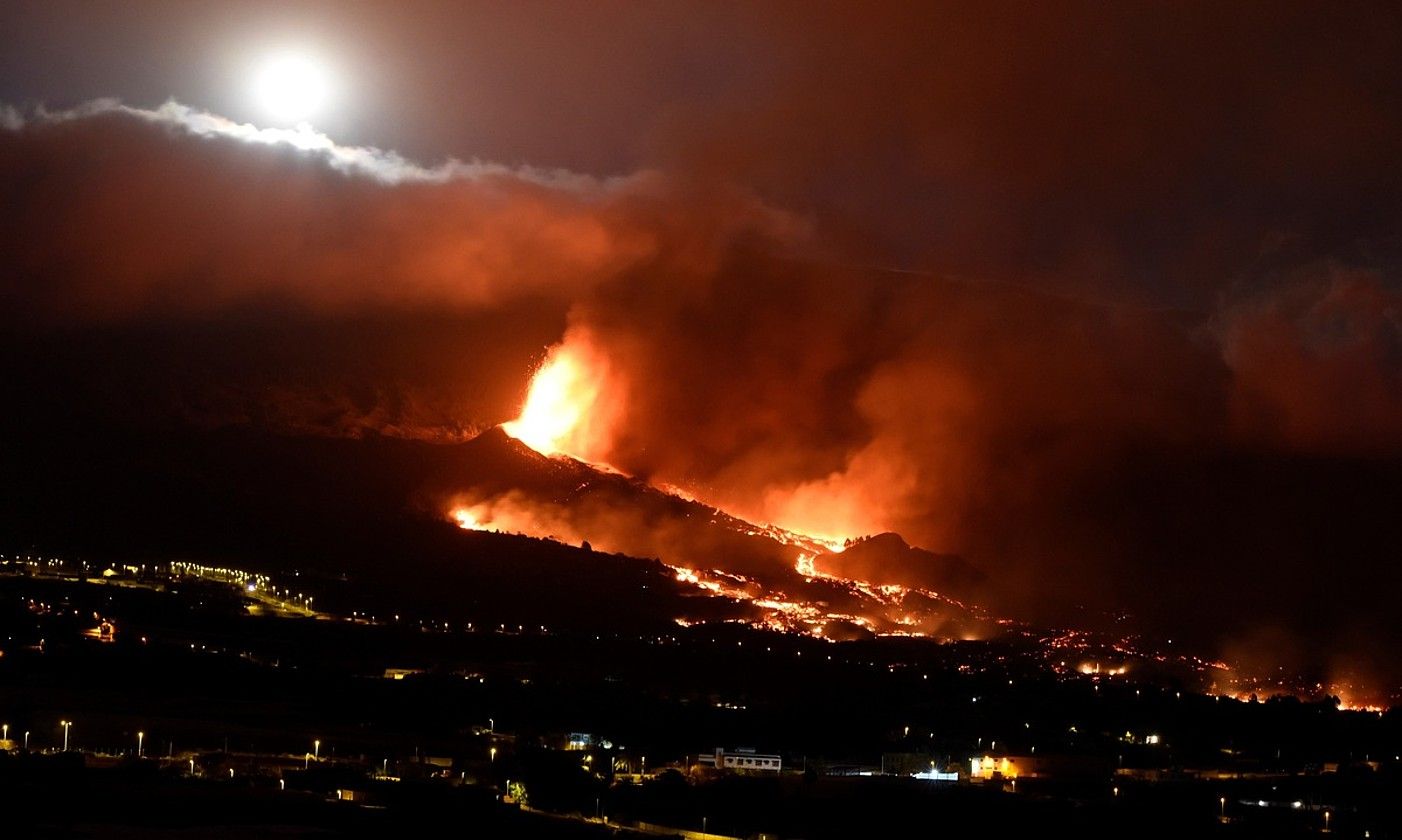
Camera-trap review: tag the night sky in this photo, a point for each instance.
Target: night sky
(1104, 298)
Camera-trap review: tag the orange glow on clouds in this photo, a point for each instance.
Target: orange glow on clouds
(828, 512)
(567, 409)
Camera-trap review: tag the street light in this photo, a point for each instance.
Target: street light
(140, 737)
(316, 749)
(6, 736)
(66, 724)
(492, 753)
(26, 740)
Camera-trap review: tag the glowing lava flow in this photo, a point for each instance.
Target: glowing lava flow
(825, 604)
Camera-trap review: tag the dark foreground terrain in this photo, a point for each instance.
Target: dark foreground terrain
(198, 708)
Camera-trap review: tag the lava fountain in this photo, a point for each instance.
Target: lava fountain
(571, 405)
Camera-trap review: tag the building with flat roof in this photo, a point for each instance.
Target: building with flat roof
(742, 759)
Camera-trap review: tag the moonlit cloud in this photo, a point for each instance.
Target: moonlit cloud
(243, 213)
(382, 165)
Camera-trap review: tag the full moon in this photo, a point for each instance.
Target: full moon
(291, 87)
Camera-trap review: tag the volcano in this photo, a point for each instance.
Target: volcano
(376, 525)
(797, 582)
(377, 511)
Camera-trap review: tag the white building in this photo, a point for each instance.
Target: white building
(742, 759)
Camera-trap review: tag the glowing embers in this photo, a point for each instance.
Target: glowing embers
(569, 409)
